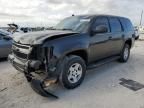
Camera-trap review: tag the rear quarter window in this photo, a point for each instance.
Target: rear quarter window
(127, 25)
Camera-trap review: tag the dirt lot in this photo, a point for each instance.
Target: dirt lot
(100, 89)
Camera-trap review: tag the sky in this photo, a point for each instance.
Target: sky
(50, 12)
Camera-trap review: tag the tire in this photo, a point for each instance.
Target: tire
(73, 72)
(125, 53)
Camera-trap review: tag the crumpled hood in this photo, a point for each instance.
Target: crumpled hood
(38, 37)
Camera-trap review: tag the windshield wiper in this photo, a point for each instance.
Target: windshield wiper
(67, 29)
(52, 28)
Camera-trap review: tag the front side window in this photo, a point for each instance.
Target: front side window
(101, 21)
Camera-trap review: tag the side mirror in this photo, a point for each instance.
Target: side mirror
(7, 37)
(100, 29)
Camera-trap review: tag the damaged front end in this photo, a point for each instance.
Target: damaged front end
(34, 61)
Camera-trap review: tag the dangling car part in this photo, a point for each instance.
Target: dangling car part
(39, 87)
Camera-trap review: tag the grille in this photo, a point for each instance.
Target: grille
(17, 50)
(20, 55)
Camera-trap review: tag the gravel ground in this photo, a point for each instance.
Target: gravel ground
(100, 89)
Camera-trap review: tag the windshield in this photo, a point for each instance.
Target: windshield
(74, 23)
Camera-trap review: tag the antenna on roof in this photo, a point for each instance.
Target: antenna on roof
(141, 18)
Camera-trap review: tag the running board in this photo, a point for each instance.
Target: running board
(102, 62)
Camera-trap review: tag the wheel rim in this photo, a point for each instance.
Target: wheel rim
(126, 53)
(74, 73)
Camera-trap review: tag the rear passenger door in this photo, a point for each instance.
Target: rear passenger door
(117, 35)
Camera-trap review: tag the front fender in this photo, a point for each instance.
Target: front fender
(63, 46)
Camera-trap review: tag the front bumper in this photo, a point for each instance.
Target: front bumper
(25, 67)
(19, 65)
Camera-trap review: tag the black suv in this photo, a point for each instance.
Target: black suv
(65, 52)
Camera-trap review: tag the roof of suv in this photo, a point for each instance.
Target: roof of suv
(96, 15)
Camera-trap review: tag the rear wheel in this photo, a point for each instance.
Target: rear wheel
(125, 53)
(73, 72)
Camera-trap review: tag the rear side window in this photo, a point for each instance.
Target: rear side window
(101, 21)
(127, 25)
(115, 24)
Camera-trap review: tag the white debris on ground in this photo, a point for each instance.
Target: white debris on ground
(100, 89)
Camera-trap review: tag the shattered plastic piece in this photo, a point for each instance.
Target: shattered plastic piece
(37, 87)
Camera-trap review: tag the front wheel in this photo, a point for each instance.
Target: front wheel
(73, 72)
(125, 53)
